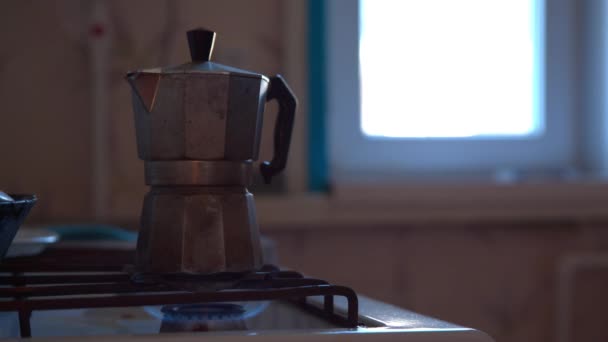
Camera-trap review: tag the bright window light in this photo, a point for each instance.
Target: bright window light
(451, 68)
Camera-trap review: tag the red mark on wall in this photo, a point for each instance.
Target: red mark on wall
(97, 30)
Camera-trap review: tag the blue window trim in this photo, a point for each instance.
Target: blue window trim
(317, 123)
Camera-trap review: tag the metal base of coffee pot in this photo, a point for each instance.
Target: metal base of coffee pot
(198, 230)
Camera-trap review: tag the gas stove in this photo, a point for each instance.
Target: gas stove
(98, 294)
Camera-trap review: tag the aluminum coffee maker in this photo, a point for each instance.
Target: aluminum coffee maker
(198, 128)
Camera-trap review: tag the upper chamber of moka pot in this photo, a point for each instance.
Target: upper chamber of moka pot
(203, 110)
(199, 110)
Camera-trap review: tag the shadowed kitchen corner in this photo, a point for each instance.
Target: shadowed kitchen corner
(302, 170)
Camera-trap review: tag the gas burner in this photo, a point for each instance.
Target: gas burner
(203, 317)
(207, 311)
(183, 295)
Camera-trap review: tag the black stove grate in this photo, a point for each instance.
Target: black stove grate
(24, 293)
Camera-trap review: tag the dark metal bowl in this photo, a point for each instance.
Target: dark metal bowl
(12, 215)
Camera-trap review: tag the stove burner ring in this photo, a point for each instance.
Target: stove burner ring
(204, 311)
(203, 317)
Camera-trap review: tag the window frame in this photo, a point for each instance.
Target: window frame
(441, 204)
(353, 158)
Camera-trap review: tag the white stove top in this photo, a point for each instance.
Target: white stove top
(271, 321)
(277, 322)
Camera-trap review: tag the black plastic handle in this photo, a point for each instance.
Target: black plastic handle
(280, 91)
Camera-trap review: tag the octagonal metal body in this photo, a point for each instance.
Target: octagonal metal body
(198, 116)
(198, 230)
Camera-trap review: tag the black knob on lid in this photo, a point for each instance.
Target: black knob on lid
(201, 44)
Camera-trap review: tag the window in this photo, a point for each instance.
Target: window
(481, 58)
(452, 88)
